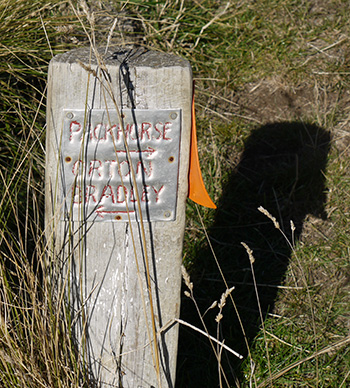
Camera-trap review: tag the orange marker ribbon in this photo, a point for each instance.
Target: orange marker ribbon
(196, 189)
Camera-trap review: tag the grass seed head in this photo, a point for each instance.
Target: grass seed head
(270, 216)
(292, 226)
(186, 278)
(250, 252)
(219, 317)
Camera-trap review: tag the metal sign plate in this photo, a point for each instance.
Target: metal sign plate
(101, 164)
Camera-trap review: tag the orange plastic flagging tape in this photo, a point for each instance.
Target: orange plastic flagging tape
(196, 189)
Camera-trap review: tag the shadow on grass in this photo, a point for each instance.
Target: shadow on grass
(281, 169)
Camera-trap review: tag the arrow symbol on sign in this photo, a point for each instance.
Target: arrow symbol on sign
(148, 150)
(101, 212)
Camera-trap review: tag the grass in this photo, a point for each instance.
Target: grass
(272, 113)
(35, 343)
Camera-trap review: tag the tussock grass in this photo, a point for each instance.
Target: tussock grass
(36, 348)
(272, 112)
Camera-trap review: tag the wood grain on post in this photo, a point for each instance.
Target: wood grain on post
(116, 186)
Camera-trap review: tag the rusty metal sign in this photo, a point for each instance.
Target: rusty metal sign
(114, 166)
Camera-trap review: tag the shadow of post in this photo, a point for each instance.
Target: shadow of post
(281, 169)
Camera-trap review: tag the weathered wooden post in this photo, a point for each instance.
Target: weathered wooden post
(118, 140)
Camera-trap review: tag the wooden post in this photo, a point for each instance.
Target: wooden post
(118, 138)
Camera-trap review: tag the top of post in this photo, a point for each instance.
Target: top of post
(139, 57)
